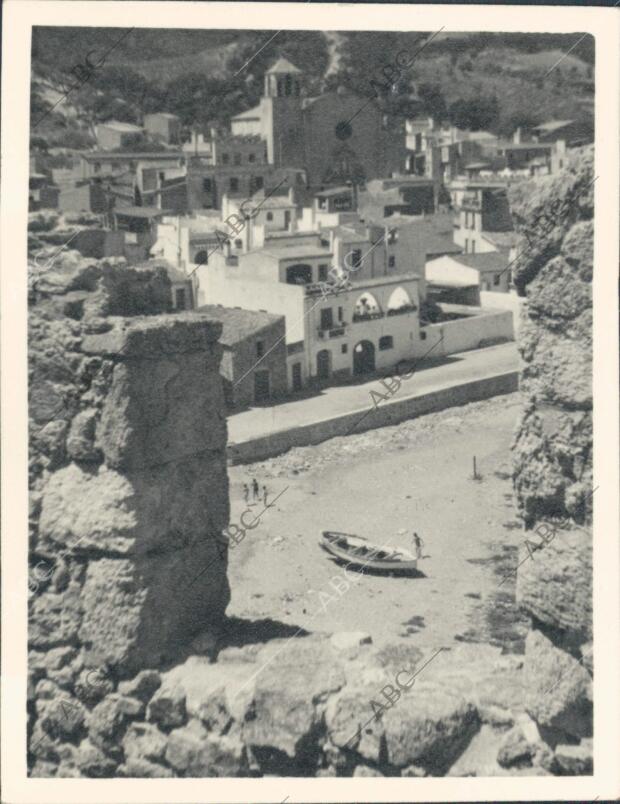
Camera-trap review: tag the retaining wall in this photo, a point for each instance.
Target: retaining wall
(383, 415)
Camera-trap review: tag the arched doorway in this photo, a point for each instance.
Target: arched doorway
(323, 360)
(363, 358)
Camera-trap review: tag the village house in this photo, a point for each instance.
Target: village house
(114, 134)
(403, 195)
(163, 127)
(485, 222)
(488, 271)
(253, 365)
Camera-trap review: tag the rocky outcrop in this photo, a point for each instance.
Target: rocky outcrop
(553, 460)
(129, 495)
(295, 707)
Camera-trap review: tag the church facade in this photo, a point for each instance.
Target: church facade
(335, 138)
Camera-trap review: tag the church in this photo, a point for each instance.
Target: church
(335, 138)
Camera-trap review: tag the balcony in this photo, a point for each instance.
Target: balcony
(357, 317)
(334, 332)
(406, 308)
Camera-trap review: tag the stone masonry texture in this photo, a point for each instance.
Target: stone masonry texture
(553, 451)
(128, 492)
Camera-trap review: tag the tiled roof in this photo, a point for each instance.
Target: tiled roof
(238, 324)
(141, 212)
(485, 261)
(503, 239)
(437, 244)
(117, 125)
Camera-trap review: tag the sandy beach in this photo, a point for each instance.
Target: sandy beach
(420, 479)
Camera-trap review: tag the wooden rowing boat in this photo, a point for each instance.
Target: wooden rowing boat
(359, 552)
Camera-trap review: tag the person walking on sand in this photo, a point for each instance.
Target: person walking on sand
(255, 489)
(418, 544)
(246, 493)
(265, 496)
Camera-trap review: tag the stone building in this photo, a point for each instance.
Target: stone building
(335, 137)
(254, 357)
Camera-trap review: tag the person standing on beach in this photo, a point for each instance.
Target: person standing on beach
(418, 544)
(246, 493)
(255, 489)
(265, 496)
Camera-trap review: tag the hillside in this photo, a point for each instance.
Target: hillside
(204, 75)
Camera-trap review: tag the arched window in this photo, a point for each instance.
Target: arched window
(400, 302)
(366, 308)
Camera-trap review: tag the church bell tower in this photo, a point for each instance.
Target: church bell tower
(282, 96)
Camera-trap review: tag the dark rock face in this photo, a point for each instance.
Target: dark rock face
(553, 458)
(128, 493)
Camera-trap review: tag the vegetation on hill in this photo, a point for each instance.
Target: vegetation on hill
(479, 81)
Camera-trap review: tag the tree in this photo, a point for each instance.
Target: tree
(475, 113)
(433, 101)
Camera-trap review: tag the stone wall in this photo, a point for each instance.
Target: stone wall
(129, 491)
(553, 454)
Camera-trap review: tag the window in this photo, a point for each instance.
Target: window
(258, 182)
(473, 246)
(234, 185)
(225, 159)
(237, 159)
(466, 246)
(322, 272)
(260, 348)
(179, 298)
(238, 243)
(356, 258)
(269, 216)
(422, 335)
(340, 314)
(496, 278)
(344, 348)
(392, 261)
(97, 167)
(251, 157)
(386, 342)
(206, 185)
(327, 318)
(201, 257)
(392, 236)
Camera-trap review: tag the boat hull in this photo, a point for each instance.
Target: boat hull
(364, 559)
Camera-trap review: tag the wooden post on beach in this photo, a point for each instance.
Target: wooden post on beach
(475, 473)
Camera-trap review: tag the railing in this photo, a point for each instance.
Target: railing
(334, 332)
(357, 317)
(406, 308)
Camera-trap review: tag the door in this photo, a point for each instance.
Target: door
(364, 358)
(296, 376)
(287, 218)
(261, 386)
(322, 364)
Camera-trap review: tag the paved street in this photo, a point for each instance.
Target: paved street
(332, 402)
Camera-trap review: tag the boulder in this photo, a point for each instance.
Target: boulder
(575, 760)
(144, 741)
(428, 726)
(109, 720)
(559, 688)
(81, 438)
(555, 586)
(143, 686)
(143, 769)
(167, 707)
(93, 763)
(192, 751)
